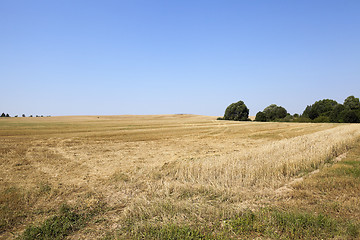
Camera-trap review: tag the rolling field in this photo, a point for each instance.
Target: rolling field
(163, 176)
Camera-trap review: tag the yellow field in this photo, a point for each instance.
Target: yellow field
(149, 170)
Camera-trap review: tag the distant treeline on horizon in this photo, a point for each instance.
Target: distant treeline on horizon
(326, 110)
(7, 115)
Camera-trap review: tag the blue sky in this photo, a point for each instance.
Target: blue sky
(77, 57)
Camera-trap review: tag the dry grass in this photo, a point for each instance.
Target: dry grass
(335, 190)
(270, 164)
(153, 170)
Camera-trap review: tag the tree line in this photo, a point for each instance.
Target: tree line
(7, 115)
(326, 110)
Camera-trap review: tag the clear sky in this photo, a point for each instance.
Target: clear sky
(83, 57)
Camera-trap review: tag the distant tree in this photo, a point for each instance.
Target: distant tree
(306, 111)
(313, 114)
(260, 117)
(281, 112)
(16, 115)
(352, 103)
(296, 115)
(30, 116)
(349, 112)
(7, 115)
(320, 108)
(351, 116)
(3, 115)
(273, 112)
(23, 115)
(237, 112)
(336, 114)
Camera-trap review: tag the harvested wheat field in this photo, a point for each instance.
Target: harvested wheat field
(162, 176)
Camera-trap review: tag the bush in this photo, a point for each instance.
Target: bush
(288, 118)
(322, 119)
(302, 119)
(237, 112)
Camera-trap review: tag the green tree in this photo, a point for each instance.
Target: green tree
(273, 112)
(306, 112)
(336, 114)
(349, 112)
(320, 108)
(260, 117)
(237, 112)
(352, 103)
(3, 115)
(350, 116)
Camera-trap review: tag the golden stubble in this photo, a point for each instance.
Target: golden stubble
(165, 167)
